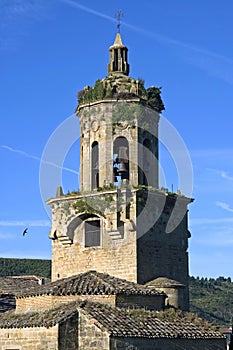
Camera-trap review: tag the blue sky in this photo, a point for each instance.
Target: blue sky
(49, 50)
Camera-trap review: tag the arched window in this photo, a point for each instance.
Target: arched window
(146, 160)
(85, 229)
(120, 159)
(95, 165)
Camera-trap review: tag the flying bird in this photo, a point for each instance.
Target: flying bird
(25, 231)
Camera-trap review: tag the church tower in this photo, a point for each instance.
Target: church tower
(120, 222)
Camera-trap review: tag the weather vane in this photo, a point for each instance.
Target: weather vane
(119, 16)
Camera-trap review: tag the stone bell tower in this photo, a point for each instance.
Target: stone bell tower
(120, 222)
(115, 144)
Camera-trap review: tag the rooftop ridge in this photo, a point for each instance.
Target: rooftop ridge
(91, 282)
(117, 322)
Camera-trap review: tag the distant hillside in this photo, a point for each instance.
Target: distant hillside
(212, 299)
(17, 267)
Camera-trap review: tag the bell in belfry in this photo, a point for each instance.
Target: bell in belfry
(122, 167)
(122, 155)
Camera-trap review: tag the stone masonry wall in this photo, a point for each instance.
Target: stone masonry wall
(97, 125)
(119, 261)
(91, 337)
(116, 254)
(46, 302)
(149, 302)
(162, 252)
(175, 296)
(68, 334)
(166, 344)
(40, 338)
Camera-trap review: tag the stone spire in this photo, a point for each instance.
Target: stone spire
(118, 57)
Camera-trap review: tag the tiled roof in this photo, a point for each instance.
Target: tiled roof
(16, 285)
(91, 282)
(7, 302)
(48, 318)
(164, 282)
(143, 323)
(117, 322)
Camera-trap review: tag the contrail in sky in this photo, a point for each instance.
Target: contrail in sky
(89, 10)
(26, 155)
(216, 67)
(225, 175)
(159, 37)
(222, 173)
(224, 206)
(22, 153)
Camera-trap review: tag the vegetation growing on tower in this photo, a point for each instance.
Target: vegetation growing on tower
(122, 87)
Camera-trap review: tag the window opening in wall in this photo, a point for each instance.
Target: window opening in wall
(92, 233)
(120, 160)
(97, 180)
(128, 203)
(146, 160)
(115, 68)
(127, 211)
(95, 165)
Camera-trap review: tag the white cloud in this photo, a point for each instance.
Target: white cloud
(208, 221)
(225, 175)
(212, 232)
(15, 8)
(20, 255)
(215, 263)
(213, 236)
(12, 11)
(6, 236)
(224, 206)
(25, 223)
(27, 155)
(212, 152)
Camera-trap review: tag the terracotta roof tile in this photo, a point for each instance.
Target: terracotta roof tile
(49, 318)
(117, 322)
(149, 324)
(164, 282)
(91, 282)
(16, 285)
(7, 302)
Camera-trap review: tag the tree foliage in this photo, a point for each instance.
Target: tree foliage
(20, 267)
(212, 299)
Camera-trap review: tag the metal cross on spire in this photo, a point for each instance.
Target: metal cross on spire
(119, 16)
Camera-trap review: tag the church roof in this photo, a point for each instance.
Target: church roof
(47, 318)
(148, 324)
(11, 286)
(17, 284)
(164, 282)
(7, 302)
(117, 322)
(88, 283)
